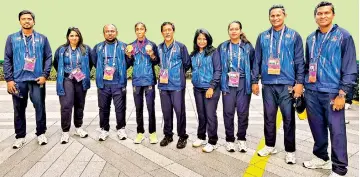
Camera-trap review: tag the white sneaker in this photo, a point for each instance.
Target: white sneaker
(209, 148)
(81, 132)
(42, 139)
(122, 134)
(242, 146)
(198, 142)
(266, 151)
(103, 135)
(317, 163)
(65, 137)
(19, 143)
(290, 158)
(347, 106)
(333, 174)
(230, 146)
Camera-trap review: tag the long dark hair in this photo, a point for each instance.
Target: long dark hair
(209, 49)
(80, 43)
(242, 35)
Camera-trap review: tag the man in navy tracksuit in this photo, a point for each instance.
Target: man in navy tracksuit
(27, 65)
(110, 61)
(279, 57)
(174, 62)
(330, 74)
(143, 56)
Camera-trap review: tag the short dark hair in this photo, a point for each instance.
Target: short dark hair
(107, 25)
(140, 23)
(27, 12)
(324, 3)
(168, 23)
(277, 6)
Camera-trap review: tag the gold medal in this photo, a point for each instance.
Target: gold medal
(129, 48)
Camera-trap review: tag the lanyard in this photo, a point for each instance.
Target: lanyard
(114, 56)
(77, 57)
(271, 42)
(231, 56)
(26, 45)
(321, 45)
(169, 58)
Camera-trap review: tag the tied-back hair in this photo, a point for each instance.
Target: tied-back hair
(209, 49)
(80, 43)
(242, 35)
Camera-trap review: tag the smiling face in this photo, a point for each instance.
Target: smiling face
(26, 21)
(201, 41)
(277, 18)
(167, 32)
(234, 31)
(73, 38)
(324, 16)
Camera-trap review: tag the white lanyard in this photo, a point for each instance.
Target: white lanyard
(231, 56)
(77, 57)
(33, 45)
(271, 42)
(169, 58)
(114, 56)
(321, 45)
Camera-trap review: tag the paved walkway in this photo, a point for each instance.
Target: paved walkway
(89, 157)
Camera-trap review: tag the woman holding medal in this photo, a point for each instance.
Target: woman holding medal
(72, 62)
(206, 72)
(236, 56)
(143, 56)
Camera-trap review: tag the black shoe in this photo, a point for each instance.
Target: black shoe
(166, 141)
(181, 143)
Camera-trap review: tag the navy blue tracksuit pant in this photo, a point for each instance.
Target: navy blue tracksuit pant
(74, 97)
(150, 104)
(239, 99)
(206, 110)
(37, 97)
(321, 117)
(104, 102)
(275, 96)
(173, 99)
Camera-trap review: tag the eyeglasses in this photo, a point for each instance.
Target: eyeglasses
(72, 28)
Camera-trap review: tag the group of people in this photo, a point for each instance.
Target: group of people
(327, 72)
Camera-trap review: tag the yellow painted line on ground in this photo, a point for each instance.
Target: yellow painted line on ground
(257, 164)
(355, 102)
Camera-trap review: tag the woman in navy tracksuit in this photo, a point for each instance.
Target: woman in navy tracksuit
(236, 56)
(206, 71)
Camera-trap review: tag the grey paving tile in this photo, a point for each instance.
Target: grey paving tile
(161, 172)
(75, 169)
(93, 169)
(109, 171)
(200, 168)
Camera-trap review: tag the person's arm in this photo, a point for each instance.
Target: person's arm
(8, 61)
(256, 66)
(94, 56)
(155, 60)
(47, 59)
(307, 59)
(348, 64)
(217, 69)
(91, 64)
(56, 59)
(185, 58)
(299, 59)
